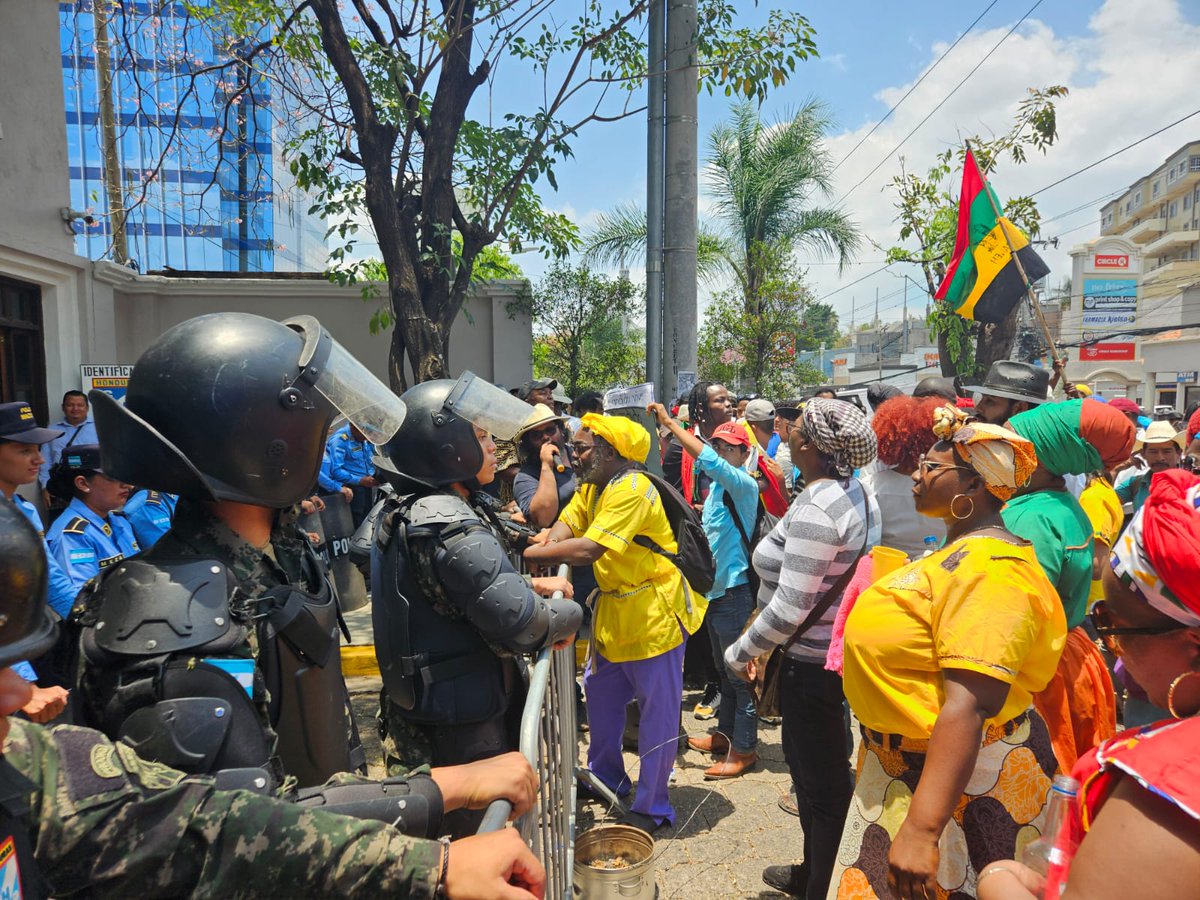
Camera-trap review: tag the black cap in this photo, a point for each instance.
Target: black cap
(537, 384)
(1012, 380)
(82, 458)
(936, 386)
(790, 413)
(18, 424)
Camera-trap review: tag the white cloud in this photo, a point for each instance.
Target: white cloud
(1133, 71)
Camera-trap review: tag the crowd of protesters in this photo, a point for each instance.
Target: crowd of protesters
(951, 595)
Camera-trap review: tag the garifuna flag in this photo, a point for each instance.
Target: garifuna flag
(982, 281)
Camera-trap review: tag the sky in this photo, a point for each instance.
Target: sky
(1131, 67)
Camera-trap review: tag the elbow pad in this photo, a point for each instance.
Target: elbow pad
(413, 805)
(478, 578)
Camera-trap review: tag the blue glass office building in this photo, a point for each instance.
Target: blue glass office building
(204, 179)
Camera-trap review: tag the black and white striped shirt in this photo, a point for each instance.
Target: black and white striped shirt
(817, 539)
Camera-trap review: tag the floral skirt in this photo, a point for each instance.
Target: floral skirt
(1000, 812)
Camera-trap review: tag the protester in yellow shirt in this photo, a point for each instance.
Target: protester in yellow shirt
(942, 658)
(1103, 508)
(643, 614)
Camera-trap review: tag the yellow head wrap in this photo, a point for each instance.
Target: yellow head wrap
(1003, 459)
(629, 438)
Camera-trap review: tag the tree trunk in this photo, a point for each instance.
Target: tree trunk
(949, 369)
(995, 342)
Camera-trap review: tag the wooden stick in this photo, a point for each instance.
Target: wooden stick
(1037, 308)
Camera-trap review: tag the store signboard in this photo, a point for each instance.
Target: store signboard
(1109, 352)
(1109, 295)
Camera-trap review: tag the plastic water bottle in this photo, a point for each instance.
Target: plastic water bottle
(931, 545)
(1055, 848)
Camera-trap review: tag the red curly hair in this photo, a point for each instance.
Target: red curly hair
(904, 428)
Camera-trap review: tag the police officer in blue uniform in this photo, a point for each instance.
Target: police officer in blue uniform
(88, 538)
(349, 464)
(150, 514)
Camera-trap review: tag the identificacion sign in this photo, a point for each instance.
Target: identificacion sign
(113, 380)
(639, 396)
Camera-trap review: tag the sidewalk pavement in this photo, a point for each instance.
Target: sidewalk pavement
(726, 832)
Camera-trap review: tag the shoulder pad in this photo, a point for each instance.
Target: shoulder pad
(77, 525)
(151, 608)
(438, 509)
(342, 436)
(153, 497)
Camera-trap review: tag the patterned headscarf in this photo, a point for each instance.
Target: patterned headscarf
(627, 437)
(1159, 553)
(841, 432)
(1003, 459)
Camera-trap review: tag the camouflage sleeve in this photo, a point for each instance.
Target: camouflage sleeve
(107, 823)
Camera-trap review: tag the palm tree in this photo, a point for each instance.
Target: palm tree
(764, 178)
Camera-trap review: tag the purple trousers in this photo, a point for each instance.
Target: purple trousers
(657, 685)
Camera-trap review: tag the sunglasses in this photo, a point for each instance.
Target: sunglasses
(924, 466)
(1111, 635)
(579, 449)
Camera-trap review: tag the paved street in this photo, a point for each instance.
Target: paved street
(727, 831)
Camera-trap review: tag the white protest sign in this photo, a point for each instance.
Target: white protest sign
(639, 396)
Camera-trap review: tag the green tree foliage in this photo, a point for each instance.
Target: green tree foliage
(757, 351)
(407, 124)
(927, 211)
(580, 337)
(768, 180)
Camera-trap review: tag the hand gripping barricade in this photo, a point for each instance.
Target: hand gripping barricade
(226, 407)
(549, 740)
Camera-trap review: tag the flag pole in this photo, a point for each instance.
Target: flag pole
(1037, 308)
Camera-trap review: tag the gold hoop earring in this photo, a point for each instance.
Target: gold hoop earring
(1171, 693)
(969, 513)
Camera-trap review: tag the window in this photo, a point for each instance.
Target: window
(1173, 210)
(1137, 200)
(22, 357)
(1193, 164)
(1156, 189)
(1187, 202)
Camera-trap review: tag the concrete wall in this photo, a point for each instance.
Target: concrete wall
(33, 151)
(131, 310)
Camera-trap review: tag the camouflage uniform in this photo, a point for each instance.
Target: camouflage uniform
(106, 823)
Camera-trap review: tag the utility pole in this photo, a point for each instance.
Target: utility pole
(655, 161)
(680, 186)
(906, 347)
(113, 187)
(878, 338)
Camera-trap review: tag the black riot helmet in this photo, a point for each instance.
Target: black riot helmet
(233, 406)
(28, 627)
(436, 445)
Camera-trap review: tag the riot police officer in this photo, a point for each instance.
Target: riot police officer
(81, 815)
(450, 610)
(229, 411)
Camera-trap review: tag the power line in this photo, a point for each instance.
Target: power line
(942, 102)
(824, 297)
(1115, 153)
(1083, 206)
(916, 85)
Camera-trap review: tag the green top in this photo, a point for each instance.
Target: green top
(106, 823)
(1061, 534)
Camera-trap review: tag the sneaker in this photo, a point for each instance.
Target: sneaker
(707, 707)
(791, 880)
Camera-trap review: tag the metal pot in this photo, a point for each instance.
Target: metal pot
(635, 845)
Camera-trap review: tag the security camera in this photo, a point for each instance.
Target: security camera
(71, 215)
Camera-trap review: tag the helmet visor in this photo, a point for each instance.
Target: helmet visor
(368, 403)
(488, 407)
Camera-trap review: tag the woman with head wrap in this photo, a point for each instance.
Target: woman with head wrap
(1137, 820)
(821, 536)
(903, 427)
(1075, 437)
(942, 658)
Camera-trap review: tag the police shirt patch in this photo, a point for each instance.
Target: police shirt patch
(82, 555)
(104, 761)
(77, 525)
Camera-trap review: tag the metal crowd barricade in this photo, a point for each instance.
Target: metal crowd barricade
(550, 742)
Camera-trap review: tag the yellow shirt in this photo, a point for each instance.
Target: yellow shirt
(981, 604)
(1103, 508)
(643, 599)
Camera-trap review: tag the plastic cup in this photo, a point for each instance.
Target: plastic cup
(886, 560)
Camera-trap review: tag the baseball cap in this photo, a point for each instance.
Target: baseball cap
(18, 424)
(732, 433)
(536, 384)
(760, 410)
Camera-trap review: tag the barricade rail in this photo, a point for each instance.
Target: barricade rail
(550, 742)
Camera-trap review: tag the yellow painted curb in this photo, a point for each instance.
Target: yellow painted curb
(358, 661)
